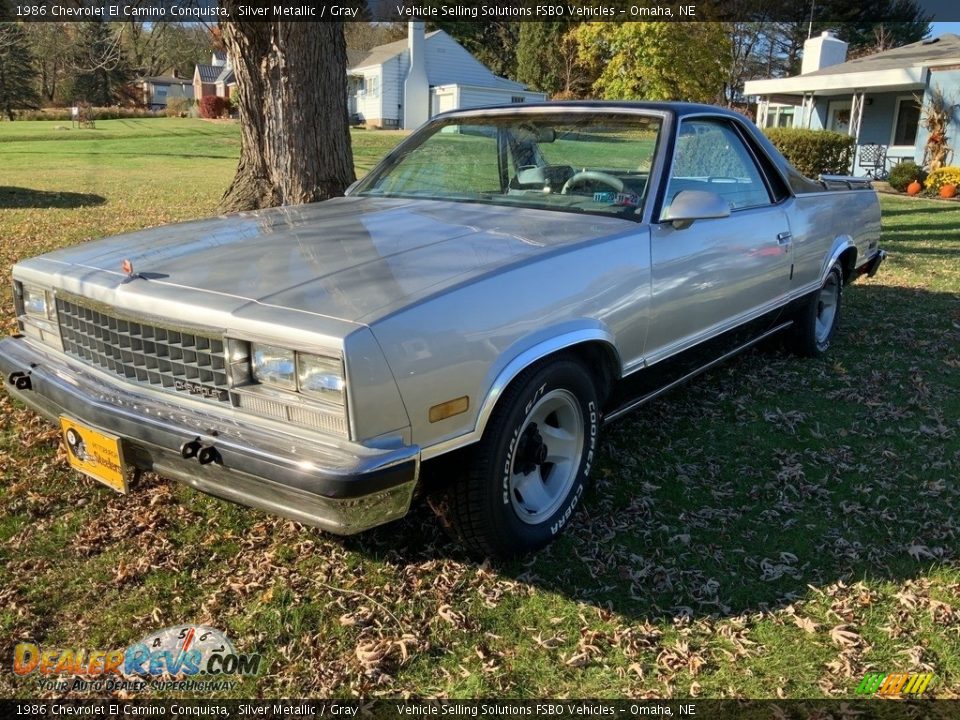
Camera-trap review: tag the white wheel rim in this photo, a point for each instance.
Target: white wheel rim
(546, 457)
(827, 307)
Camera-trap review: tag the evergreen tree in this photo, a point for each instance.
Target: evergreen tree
(17, 73)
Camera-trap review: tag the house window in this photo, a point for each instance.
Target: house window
(779, 116)
(372, 85)
(517, 99)
(906, 121)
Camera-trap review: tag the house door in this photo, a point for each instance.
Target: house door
(838, 118)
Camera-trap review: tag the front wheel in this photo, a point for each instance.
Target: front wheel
(817, 321)
(528, 473)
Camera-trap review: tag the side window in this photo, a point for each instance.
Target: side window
(711, 156)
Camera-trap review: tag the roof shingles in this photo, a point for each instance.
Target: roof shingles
(944, 49)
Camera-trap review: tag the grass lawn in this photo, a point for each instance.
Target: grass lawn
(777, 528)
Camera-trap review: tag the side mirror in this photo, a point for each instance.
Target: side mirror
(690, 205)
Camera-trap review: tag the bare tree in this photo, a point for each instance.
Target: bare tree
(51, 48)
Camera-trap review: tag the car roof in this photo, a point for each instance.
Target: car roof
(678, 109)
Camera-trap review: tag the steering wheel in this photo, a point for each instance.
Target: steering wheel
(592, 176)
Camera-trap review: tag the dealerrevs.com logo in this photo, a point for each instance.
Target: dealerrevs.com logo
(184, 657)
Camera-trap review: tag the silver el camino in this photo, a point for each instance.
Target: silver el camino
(464, 321)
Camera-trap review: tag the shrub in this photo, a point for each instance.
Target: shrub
(178, 107)
(905, 173)
(97, 113)
(948, 175)
(214, 106)
(814, 152)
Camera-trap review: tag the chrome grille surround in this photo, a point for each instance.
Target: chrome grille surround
(172, 359)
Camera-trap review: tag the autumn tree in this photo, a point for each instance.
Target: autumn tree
(17, 75)
(294, 137)
(657, 60)
(362, 36)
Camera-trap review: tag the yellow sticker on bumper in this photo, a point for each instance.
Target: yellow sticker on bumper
(94, 453)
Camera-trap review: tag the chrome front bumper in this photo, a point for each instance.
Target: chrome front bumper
(339, 486)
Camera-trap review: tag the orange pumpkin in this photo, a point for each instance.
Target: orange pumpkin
(914, 188)
(948, 190)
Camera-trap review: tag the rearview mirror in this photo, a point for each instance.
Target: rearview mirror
(546, 134)
(690, 205)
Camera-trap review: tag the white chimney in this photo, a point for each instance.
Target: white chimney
(821, 52)
(416, 88)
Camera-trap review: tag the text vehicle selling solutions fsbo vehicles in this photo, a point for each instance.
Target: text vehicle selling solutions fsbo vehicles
(501, 284)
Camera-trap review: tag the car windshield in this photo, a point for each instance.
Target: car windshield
(594, 163)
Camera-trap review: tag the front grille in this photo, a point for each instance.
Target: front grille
(170, 359)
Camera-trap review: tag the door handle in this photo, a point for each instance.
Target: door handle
(785, 238)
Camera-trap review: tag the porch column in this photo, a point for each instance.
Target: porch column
(809, 104)
(856, 114)
(853, 130)
(763, 109)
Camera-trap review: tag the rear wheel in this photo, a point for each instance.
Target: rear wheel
(528, 473)
(817, 321)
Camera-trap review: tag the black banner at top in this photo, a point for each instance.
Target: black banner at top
(212, 11)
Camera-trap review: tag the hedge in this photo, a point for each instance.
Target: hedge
(214, 106)
(178, 107)
(97, 113)
(814, 152)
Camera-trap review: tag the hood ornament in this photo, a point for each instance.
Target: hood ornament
(127, 268)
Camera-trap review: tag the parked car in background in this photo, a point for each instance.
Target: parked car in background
(464, 322)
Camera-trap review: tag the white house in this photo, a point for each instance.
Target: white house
(157, 90)
(877, 99)
(386, 89)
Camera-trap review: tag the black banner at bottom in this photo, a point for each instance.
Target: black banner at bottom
(540, 709)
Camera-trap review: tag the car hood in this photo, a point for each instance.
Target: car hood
(353, 259)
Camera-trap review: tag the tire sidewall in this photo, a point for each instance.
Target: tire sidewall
(563, 375)
(823, 346)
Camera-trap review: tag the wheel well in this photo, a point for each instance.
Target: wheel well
(848, 263)
(602, 359)
(599, 357)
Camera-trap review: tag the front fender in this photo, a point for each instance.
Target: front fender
(515, 360)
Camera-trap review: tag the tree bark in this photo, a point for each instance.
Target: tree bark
(292, 98)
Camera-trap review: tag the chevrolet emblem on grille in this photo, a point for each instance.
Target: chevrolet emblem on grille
(197, 389)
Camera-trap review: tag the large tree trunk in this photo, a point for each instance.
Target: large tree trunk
(292, 97)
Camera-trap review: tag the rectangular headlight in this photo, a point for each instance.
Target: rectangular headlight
(37, 302)
(274, 365)
(320, 377)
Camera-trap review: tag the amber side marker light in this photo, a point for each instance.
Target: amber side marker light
(449, 409)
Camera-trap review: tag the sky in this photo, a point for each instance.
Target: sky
(939, 28)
